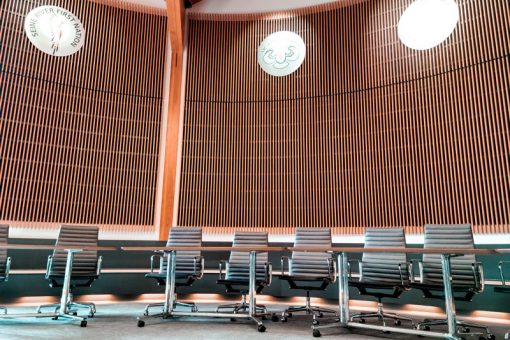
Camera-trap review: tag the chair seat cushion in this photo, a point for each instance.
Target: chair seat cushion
(74, 276)
(440, 288)
(161, 276)
(303, 278)
(239, 282)
(370, 285)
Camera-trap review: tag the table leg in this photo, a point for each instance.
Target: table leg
(343, 288)
(67, 282)
(170, 283)
(448, 297)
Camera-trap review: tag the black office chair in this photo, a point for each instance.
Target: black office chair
(466, 272)
(505, 286)
(86, 265)
(5, 262)
(237, 272)
(310, 271)
(382, 272)
(189, 265)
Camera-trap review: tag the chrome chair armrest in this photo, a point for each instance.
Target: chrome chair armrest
(411, 267)
(477, 269)
(160, 259)
(99, 265)
(332, 271)
(349, 268)
(7, 268)
(48, 266)
(400, 272)
(283, 260)
(501, 273)
(223, 262)
(268, 271)
(198, 266)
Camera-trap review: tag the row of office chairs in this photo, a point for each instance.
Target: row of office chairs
(309, 271)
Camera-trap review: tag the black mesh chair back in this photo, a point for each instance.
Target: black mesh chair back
(239, 261)
(186, 261)
(85, 262)
(458, 236)
(312, 264)
(383, 268)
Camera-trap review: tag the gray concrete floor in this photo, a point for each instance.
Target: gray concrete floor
(118, 321)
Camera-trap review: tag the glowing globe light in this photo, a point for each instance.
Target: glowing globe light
(427, 23)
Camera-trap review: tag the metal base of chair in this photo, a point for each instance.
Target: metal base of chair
(72, 307)
(316, 312)
(382, 316)
(191, 305)
(242, 306)
(4, 309)
(462, 327)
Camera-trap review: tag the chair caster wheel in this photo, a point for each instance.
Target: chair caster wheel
(316, 333)
(398, 322)
(283, 319)
(54, 318)
(315, 322)
(466, 330)
(321, 315)
(275, 318)
(426, 328)
(233, 319)
(91, 315)
(264, 317)
(361, 320)
(75, 313)
(386, 332)
(83, 323)
(261, 328)
(289, 315)
(141, 323)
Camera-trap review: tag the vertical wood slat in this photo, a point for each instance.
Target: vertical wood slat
(80, 134)
(365, 133)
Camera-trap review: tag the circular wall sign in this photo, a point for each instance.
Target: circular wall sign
(281, 53)
(54, 30)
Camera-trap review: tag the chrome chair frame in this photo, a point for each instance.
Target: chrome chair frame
(7, 270)
(308, 308)
(199, 273)
(72, 307)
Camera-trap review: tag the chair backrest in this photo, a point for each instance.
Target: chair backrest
(312, 264)
(383, 267)
(239, 261)
(85, 262)
(449, 236)
(4, 238)
(184, 260)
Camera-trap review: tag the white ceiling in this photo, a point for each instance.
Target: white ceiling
(237, 6)
(252, 6)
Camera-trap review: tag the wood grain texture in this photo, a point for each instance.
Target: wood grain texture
(81, 134)
(367, 132)
(175, 10)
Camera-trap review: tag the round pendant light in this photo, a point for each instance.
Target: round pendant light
(427, 23)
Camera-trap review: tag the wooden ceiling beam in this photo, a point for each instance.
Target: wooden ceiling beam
(175, 12)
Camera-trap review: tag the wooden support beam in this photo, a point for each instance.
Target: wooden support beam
(175, 11)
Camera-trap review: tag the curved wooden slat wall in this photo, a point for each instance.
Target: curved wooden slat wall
(365, 133)
(81, 134)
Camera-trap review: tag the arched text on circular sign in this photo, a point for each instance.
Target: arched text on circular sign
(54, 30)
(281, 53)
